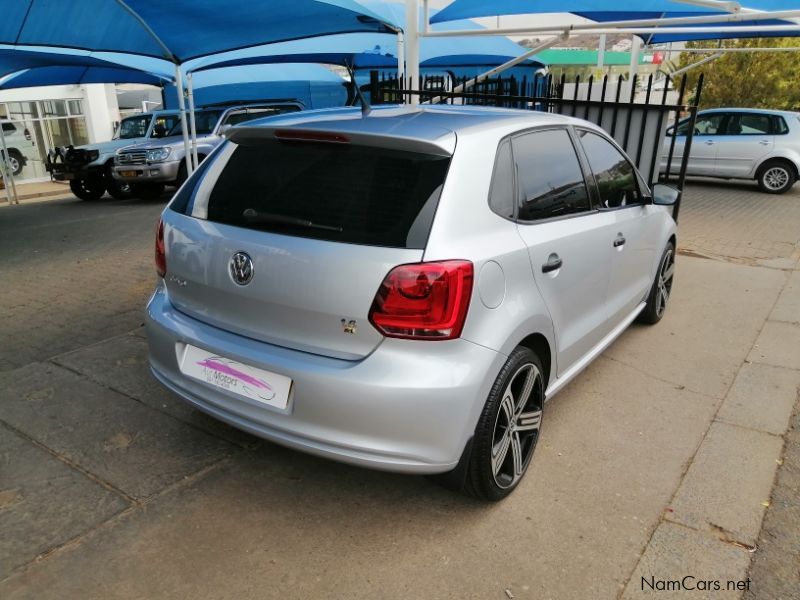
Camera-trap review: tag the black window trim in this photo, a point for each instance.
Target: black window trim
(644, 190)
(570, 133)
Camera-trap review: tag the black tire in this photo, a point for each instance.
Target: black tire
(91, 188)
(115, 188)
(15, 161)
(661, 289)
(495, 469)
(776, 176)
(147, 191)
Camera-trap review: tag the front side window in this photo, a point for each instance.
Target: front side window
(133, 127)
(615, 176)
(163, 124)
(204, 120)
(551, 182)
(704, 125)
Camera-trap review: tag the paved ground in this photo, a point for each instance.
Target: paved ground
(655, 464)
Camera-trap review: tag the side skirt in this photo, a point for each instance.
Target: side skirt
(557, 385)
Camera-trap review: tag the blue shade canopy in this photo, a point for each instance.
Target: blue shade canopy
(612, 10)
(40, 76)
(14, 59)
(376, 50)
(178, 30)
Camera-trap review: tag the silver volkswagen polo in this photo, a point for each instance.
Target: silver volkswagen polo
(404, 290)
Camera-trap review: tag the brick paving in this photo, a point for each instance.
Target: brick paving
(156, 500)
(735, 221)
(72, 273)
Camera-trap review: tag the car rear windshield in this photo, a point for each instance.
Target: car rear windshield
(330, 191)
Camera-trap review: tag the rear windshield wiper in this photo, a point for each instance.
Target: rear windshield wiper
(254, 216)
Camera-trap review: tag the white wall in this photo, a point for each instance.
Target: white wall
(99, 104)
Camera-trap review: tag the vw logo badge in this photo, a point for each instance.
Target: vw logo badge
(241, 268)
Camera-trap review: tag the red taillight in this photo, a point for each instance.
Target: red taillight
(425, 301)
(27, 134)
(161, 255)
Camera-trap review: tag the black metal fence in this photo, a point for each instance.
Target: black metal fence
(636, 118)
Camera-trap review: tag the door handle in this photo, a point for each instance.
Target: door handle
(553, 263)
(710, 142)
(620, 241)
(764, 142)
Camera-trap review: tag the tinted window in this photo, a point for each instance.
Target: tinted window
(134, 127)
(705, 125)
(615, 176)
(250, 114)
(330, 191)
(9, 128)
(163, 124)
(501, 196)
(749, 124)
(204, 121)
(550, 178)
(779, 125)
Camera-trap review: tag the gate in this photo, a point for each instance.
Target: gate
(639, 127)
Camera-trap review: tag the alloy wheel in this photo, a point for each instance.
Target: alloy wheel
(665, 275)
(517, 425)
(776, 178)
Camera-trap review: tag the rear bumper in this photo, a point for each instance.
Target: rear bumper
(407, 407)
(163, 172)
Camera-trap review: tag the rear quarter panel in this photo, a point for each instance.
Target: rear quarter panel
(466, 228)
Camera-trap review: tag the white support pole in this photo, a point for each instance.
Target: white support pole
(636, 50)
(11, 190)
(412, 48)
(182, 107)
(601, 51)
(401, 59)
(192, 124)
(703, 61)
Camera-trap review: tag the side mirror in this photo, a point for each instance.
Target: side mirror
(665, 195)
(223, 129)
(670, 131)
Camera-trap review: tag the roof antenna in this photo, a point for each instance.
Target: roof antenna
(365, 106)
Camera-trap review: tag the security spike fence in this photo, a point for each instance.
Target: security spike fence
(636, 118)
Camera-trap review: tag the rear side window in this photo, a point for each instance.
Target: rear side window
(330, 191)
(501, 195)
(551, 182)
(9, 128)
(779, 125)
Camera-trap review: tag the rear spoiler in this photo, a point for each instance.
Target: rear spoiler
(243, 135)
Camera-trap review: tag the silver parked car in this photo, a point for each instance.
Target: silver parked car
(403, 290)
(741, 143)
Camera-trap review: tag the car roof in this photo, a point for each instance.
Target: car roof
(432, 124)
(767, 111)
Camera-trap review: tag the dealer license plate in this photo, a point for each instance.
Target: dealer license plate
(235, 377)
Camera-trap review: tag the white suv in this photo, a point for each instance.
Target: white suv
(18, 141)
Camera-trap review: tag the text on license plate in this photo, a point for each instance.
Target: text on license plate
(230, 375)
